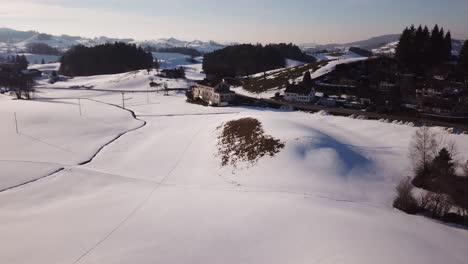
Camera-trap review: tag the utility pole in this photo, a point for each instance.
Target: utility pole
(79, 105)
(123, 100)
(166, 90)
(16, 124)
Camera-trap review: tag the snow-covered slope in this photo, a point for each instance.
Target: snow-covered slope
(388, 49)
(328, 67)
(53, 135)
(368, 44)
(20, 39)
(160, 195)
(336, 56)
(53, 41)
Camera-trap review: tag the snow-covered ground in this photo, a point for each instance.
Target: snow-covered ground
(330, 66)
(388, 49)
(160, 195)
(53, 135)
(330, 56)
(171, 60)
(47, 68)
(193, 71)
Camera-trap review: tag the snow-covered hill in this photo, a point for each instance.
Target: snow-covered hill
(368, 44)
(201, 46)
(385, 44)
(159, 194)
(17, 41)
(390, 48)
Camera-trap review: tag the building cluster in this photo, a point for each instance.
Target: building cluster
(377, 85)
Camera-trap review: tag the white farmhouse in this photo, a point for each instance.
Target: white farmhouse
(299, 94)
(220, 95)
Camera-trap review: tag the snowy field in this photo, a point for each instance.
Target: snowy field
(159, 194)
(330, 56)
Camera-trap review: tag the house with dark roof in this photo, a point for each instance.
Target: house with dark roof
(299, 93)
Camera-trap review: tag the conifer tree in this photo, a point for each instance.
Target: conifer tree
(448, 45)
(443, 166)
(462, 67)
(403, 48)
(307, 80)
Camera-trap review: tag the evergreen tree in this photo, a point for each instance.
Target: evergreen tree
(419, 43)
(443, 167)
(403, 48)
(307, 79)
(427, 45)
(462, 67)
(437, 45)
(448, 45)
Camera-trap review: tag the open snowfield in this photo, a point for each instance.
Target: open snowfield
(159, 194)
(52, 135)
(330, 56)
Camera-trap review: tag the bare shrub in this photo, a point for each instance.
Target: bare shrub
(423, 148)
(465, 169)
(245, 140)
(438, 204)
(405, 200)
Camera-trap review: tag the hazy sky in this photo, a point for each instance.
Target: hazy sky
(299, 21)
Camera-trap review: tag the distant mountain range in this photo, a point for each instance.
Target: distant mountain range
(12, 41)
(368, 44)
(16, 40)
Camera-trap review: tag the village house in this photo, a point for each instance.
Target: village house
(299, 94)
(220, 95)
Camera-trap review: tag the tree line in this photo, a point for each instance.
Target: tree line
(13, 78)
(104, 59)
(180, 50)
(247, 59)
(42, 48)
(423, 47)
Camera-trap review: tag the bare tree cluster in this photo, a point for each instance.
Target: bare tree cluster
(444, 180)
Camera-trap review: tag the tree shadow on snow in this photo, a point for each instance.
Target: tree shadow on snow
(350, 157)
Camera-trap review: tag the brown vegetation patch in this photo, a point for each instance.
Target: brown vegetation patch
(278, 79)
(244, 140)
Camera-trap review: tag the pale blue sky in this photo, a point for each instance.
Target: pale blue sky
(299, 21)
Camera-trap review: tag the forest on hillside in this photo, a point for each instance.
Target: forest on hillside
(180, 50)
(104, 59)
(247, 59)
(422, 47)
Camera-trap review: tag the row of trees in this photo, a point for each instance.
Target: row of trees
(246, 59)
(105, 59)
(20, 60)
(180, 50)
(436, 171)
(42, 48)
(423, 47)
(13, 78)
